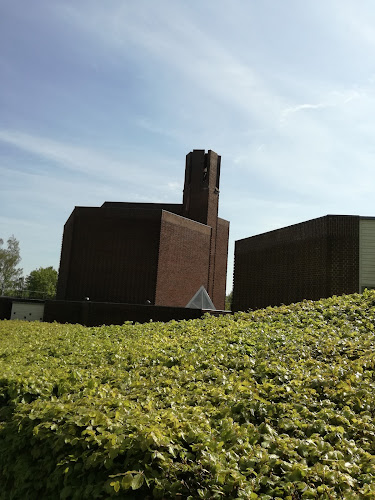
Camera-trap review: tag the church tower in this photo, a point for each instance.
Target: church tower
(201, 189)
(133, 253)
(201, 200)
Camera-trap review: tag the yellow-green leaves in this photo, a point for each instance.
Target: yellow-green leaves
(276, 403)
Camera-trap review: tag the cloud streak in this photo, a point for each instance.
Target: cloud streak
(68, 156)
(285, 94)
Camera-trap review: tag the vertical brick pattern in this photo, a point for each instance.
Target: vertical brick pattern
(213, 165)
(111, 253)
(66, 248)
(220, 264)
(201, 203)
(311, 260)
(183, 260)
(344, 254)
(113, 256)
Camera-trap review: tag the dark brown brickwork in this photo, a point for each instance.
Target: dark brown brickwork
(201, 203)
(139, 252)
(311, 260)
(66, 250)
(343, 244)
(220, 263)
(114, 255)
(175, 208)
(201, 188)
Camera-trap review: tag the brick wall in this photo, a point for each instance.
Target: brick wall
(220, 264)
(111, 253)
(311, 260)
(183, 260)
(201, 188)
(201, 203)
(175, 208)
(343, 260)
(113, 256)
(66, 247)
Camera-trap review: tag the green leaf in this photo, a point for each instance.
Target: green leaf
(137, 481)
(127, 481)
(115, 485)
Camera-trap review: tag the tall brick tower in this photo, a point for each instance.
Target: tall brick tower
(201, 189)
(201, 202)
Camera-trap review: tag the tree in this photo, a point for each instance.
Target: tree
(10, 274)
(41, 283)
(228, 301)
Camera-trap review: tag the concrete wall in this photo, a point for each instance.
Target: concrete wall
(16, 308)
(27, 311)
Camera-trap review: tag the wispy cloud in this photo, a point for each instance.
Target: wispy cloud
(300, 107)
(286, 94)
(191, 52)
(298, 146)
(90, 162)
(68, 156)
(101, 177)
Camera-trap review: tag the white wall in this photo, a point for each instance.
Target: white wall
(28, 311)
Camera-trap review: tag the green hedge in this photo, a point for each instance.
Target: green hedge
(277, 403)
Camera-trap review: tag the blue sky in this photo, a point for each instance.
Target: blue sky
(101, 101)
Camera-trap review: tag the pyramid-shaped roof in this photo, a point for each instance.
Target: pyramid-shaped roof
(201, 300)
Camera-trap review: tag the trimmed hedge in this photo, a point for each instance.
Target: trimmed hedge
(276, 403)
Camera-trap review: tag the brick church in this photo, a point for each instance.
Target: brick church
(330, 255)
(154, 253)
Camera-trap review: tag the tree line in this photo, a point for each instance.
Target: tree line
(40, 283)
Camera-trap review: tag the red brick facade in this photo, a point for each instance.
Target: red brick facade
(181, 276)
(315, 259)
(162, 253)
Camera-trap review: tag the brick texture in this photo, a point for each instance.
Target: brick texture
(311, 260)
(150, 252)
(220, 264)
(184, 255)
(113, 257)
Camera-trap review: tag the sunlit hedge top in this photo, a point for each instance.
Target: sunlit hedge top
(277, 403)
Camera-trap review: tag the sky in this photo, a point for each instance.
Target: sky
(101, 101)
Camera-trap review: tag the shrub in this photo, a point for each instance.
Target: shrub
(276, 403)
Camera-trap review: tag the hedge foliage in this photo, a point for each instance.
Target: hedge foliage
(276, 403)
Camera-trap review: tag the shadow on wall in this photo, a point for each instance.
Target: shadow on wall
(93, 313)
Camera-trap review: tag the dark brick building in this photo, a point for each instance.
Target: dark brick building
(331, 255)
(139, 252)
